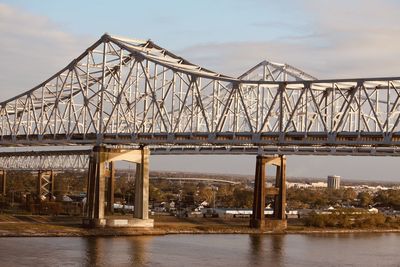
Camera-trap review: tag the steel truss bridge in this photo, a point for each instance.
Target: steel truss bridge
(76, 160)
(127, 92)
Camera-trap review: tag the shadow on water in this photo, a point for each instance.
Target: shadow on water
(93, 252)
(265, 250)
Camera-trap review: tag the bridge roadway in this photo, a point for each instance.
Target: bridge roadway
(78, 159)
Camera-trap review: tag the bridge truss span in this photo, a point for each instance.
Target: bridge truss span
(62, 160)
(131, 92)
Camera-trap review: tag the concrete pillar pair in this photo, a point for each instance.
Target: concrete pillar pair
(261, 191)
(97, 173)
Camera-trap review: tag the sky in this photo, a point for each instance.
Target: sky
(328, 39)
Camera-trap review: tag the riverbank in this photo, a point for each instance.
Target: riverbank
(62, 226)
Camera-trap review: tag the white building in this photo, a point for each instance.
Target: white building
(318, 185)
(334, 181)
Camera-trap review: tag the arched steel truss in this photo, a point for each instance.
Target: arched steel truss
(132, 92)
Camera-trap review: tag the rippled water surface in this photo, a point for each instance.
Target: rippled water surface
(205, 250)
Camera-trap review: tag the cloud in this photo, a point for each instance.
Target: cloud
(33, 48)
(341, 40)
(328, 39)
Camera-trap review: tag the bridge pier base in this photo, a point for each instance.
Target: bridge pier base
(97, 173)
(277, 221)
(3, 177)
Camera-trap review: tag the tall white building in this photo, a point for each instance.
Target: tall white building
(334, 181)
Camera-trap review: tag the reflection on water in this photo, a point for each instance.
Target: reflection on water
(92, 253)
(138, 249)
(204, 250)
(264, 251)
(255, 251)
(118, 251)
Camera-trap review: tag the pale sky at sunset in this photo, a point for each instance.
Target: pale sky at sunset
(328, 39)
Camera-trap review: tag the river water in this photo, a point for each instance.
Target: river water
(205, 250)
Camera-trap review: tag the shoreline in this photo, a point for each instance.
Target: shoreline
(125, 232)
(63, 226)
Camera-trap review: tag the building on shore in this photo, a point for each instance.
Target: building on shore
(333, 181)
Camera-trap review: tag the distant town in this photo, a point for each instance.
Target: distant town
(311, 202)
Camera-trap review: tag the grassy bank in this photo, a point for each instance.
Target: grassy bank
(35, 226)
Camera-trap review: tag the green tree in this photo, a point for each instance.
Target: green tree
(242, 198)
(365, 198)
(205, 194)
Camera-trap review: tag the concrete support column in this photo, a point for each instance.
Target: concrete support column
(100, 187)
(278, 220)
(90, 192)
(142, 186)
(3, 174)
(96, 187)
(97, 173)
(257, 219)
(280, 198)
(110, 188)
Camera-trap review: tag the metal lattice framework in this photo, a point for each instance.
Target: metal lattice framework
(45, 160)
(133, 92)
(275, 72)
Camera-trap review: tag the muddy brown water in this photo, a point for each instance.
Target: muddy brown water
(377, 249)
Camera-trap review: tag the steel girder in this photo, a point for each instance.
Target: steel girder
(62, 160)
(131, 92)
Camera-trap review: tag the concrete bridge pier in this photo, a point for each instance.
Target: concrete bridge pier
(278, 220)
(110, 188)
(3, 177)
(102, 157)
(45, 184)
